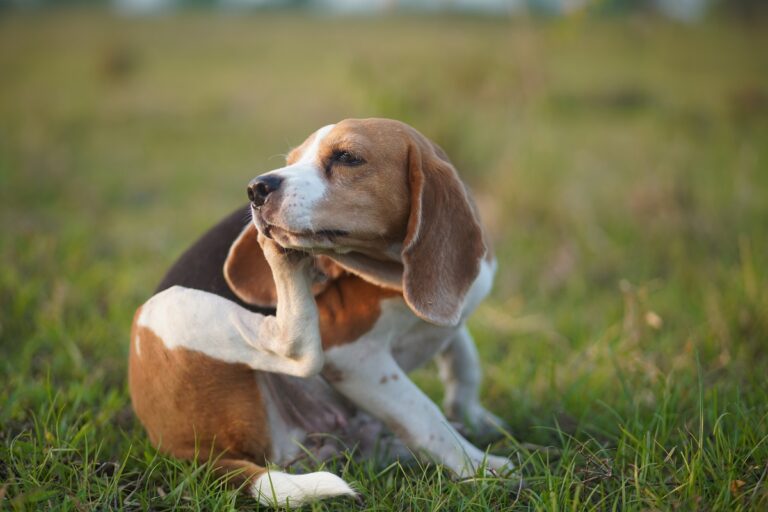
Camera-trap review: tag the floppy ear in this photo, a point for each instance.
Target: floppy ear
(443, 245)
(247, 272)
(250, 277)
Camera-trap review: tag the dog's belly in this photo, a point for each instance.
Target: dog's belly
(309, 422)
(301, 413)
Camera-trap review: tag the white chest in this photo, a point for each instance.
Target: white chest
(412, 341)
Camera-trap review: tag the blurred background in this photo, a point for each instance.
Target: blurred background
(683, 10)
(618, 150)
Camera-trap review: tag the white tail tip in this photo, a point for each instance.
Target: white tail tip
(275, 488)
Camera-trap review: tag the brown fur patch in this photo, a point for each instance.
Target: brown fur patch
(247, 272)
(348, 308)
(195, 406)
(238, 471)
(376, 190)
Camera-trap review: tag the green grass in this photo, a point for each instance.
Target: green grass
(622, 166)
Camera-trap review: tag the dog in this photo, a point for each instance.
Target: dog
(302, 314)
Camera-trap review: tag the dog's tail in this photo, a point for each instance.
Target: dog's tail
(278, 489)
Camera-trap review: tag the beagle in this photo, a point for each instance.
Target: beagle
(357, 262)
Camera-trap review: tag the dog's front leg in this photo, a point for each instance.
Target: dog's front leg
(293, 333)
(459, 368)
(374, 382)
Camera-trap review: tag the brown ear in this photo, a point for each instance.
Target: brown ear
(444, 244)
(249, 276)
(247, 272)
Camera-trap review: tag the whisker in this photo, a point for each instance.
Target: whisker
(278, 155)
(248, 216)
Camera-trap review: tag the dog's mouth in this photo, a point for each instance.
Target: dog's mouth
(279, 233)
(326, 234)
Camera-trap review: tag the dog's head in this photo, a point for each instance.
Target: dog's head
(376, 195)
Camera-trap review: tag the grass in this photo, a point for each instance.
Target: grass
(620, 164)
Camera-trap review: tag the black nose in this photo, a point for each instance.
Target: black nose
(260, 188)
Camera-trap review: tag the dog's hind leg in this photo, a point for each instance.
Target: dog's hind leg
(459, 368)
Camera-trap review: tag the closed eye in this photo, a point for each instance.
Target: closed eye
(346, 158)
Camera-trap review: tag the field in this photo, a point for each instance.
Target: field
(621, 164)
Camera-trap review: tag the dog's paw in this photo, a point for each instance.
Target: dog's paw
(279, 256)
(493, 467)
(485, 465)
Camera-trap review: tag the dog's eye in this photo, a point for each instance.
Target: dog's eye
(346, 158)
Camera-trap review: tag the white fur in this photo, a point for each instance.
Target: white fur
(303, 186)
(201, 321)
(480, 288)
(276, 488)
(310, 154)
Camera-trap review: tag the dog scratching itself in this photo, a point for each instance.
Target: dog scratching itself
(361, 260)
